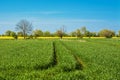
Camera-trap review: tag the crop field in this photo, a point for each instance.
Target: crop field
(67, 59)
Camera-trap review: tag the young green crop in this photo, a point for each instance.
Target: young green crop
(66, 60)
(27, 59)
(24, 55)
(102, 60)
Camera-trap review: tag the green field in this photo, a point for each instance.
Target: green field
(87, 59)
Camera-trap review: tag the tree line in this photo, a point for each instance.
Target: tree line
(25, 29)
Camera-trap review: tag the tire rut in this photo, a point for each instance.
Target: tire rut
(51, 64)
(79, 63)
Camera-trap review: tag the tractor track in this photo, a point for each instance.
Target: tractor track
(51, 64)
(79, 63)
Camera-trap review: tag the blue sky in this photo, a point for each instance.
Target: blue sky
(52, 14)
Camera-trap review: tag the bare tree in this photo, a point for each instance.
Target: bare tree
(25, 27)
(61, 32)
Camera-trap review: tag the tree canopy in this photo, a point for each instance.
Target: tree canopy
(107, 33)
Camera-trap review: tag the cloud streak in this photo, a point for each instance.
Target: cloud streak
(38, 12)
(66, 21)
(46, 12)
(37, 21)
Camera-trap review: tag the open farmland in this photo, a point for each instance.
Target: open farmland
(88, 59)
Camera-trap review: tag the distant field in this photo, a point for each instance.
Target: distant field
(67, 59)
(11, 38)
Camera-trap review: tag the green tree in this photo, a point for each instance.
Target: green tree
(119, 33)
(107, 33)
(83, 31)
(7, 33)
(73, 34)
(37, 33)
(93, 34)
(47, 34)
(53, 34)
(11, 33)
(20, 34)
(88, 34)
(78, 33)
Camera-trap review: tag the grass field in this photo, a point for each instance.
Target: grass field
(72, 59)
